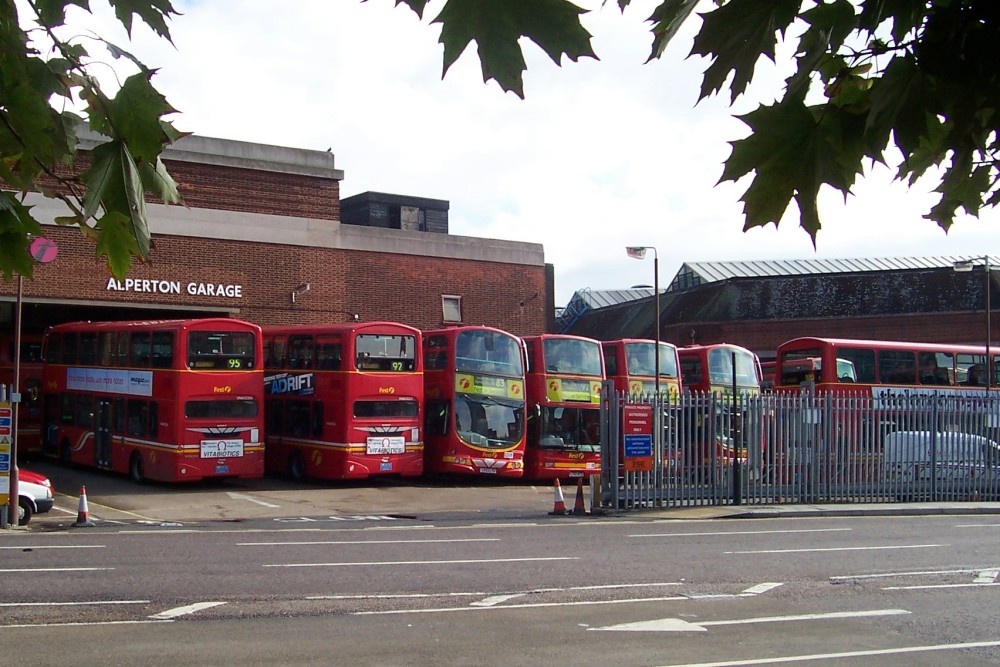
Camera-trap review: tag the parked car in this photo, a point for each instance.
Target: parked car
(919, 455)
(34, 495)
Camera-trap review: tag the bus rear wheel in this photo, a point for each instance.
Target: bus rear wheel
(135, 469)
(296, 467)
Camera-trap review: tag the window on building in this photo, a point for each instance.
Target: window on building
(452, 307)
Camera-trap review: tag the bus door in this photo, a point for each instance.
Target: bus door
(102, 433)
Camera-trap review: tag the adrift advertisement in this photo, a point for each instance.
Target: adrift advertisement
(486, 385)
(573, 391)
(289, 384)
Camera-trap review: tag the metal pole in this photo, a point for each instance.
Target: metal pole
(656, 318)
(12, 503)
(990, 368)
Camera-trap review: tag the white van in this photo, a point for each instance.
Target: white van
(919, 455)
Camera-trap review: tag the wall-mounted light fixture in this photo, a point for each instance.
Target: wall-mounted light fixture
(304, 287)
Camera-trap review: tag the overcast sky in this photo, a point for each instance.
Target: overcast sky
(600, 155)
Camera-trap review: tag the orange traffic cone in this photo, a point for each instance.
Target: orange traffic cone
(560, 503)
(83, 513)
(580, 507)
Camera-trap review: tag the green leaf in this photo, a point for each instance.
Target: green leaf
(52, 13)
(735, 36)
(158, 182)
(793, 151)
(16, 224)
(667, 20)
(835, 20)
(135, 113)
(905, 15)
(116, 242)
(154, 13)
(114, 185)
(118, 52)
(898, 99)
(416, 5)
(553, 25)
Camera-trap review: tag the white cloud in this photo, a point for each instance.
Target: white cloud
(601, 154)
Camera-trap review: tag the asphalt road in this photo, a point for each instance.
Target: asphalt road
(436, 575)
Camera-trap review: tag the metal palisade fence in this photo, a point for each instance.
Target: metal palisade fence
(870, 445)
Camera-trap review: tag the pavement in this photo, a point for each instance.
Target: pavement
(806, 509)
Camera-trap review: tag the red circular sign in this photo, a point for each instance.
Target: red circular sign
(43, 250)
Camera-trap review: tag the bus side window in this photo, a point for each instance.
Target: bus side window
(436, 418)
(88, 348)
(300, 352)
(275, 412)
(122, 355)
(106, 348)
(317, 419)
(163, 349)
(297, 418)
(328, 356)
(53, 351)
(138, 417)
(139, 350)
(119, 416)
(68, 355)
(154, 418)
(84, 416)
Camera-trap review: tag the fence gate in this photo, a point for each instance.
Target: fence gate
(726, 449)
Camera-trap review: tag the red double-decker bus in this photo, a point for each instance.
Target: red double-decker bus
(563, 393)
(167, 400)
(474, 388)
(718, 379)
(343, 400)
(719, 368)
(878, 387)
(883, 368)
(630, 363)
(29, 410)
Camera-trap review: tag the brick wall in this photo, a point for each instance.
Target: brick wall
(402, 288)
(234, 189)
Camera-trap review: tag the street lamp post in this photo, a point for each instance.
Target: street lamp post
(639, 252)
(968, 265)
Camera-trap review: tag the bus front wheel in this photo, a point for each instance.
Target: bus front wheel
(135, 468)
(296, 466)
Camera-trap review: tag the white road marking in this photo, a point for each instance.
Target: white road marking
(423, 562)
(530, 605)
(71, 604)
(495, 599)
(841, 656)
(678, 624)
(283, 544)
(183, 611)
(796, 551)
(926, 586)
(724, 533)
(35, 547)
(84, 623)
(986, 577)
(56, 569)
(379, 596)
(243, 496)
(760, 588)
(913, 573)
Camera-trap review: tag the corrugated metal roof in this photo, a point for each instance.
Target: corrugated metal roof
(692, 274)
(612, 297)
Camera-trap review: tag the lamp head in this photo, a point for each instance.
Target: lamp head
(636, 252)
